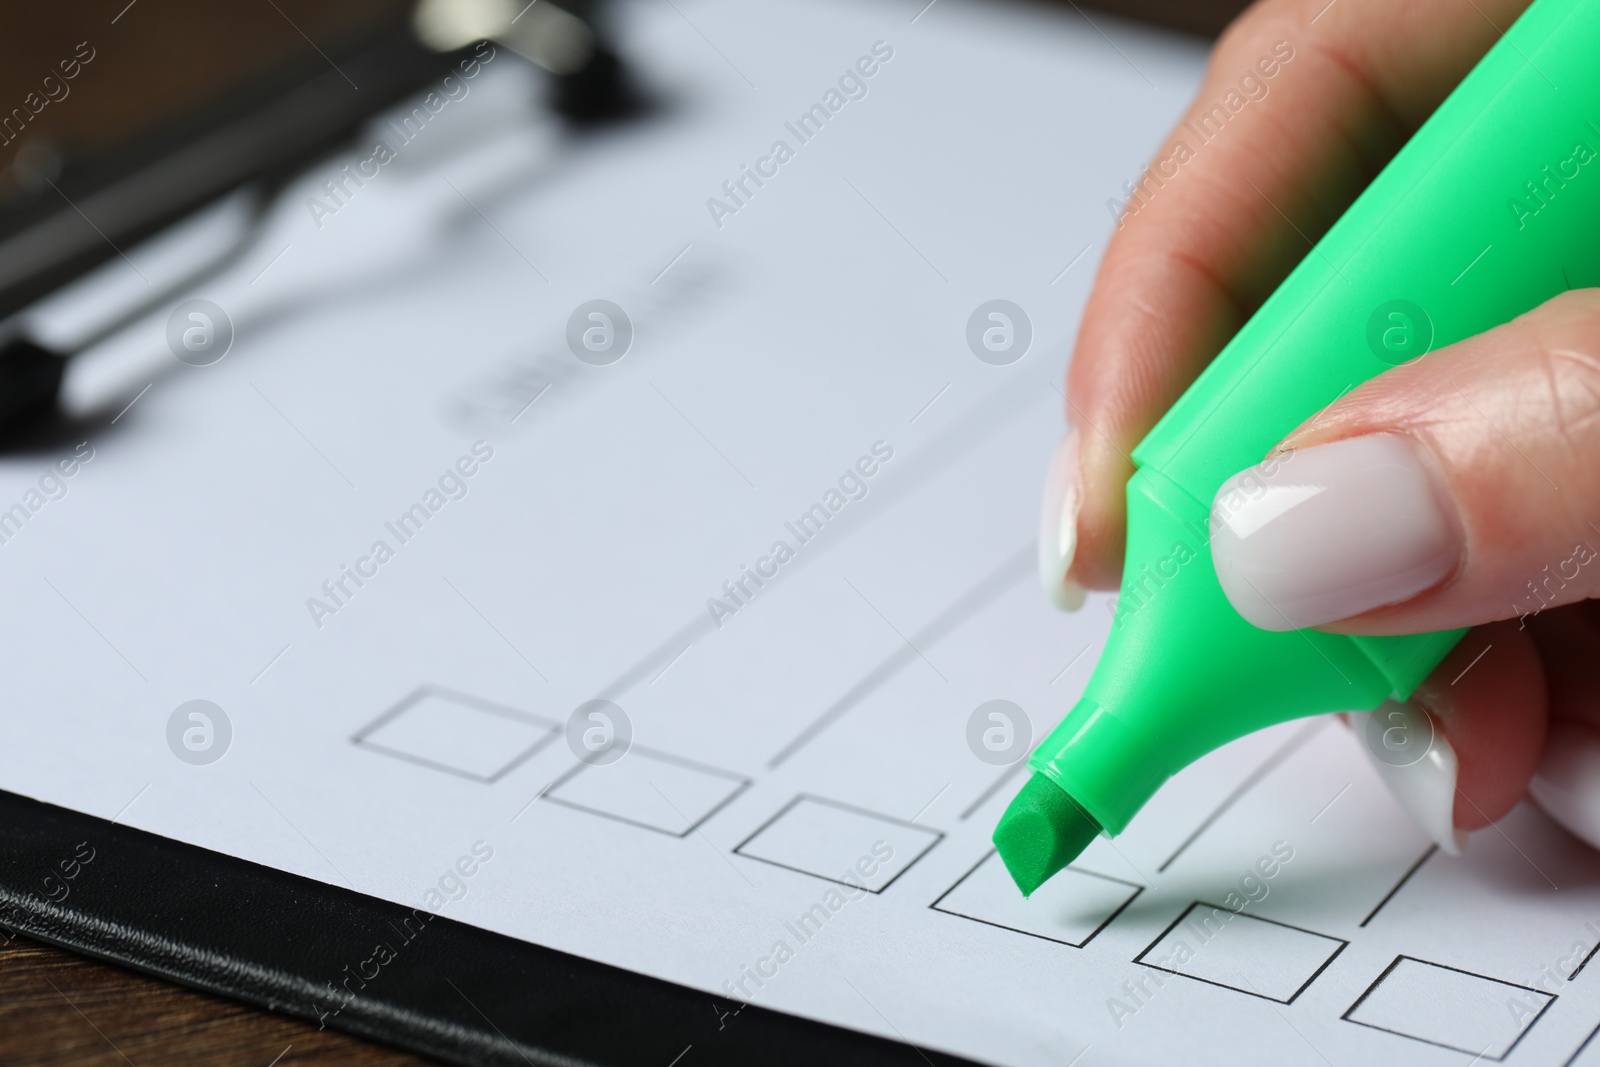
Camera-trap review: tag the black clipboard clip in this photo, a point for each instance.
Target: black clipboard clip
(89, 209)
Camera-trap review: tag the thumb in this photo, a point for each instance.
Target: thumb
(1454, 490)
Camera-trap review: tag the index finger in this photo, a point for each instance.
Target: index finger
(1302, 104)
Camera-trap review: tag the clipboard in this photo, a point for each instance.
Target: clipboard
(366, 966)
(440, 986)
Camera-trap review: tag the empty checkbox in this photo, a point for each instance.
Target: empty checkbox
(1069, 909)
(840, 843)
(1261, 957)
(457, 733)
(649, 789)
(1445, 1006)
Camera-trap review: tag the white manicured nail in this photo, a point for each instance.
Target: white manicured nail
(1058, 525)
(1418, 765)
(1328, 532)
(1567, 784)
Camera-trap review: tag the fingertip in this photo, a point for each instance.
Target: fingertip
(1459, 754)
(1488, 699)
(1058, 525)
(1102, 513)
(1417, 763)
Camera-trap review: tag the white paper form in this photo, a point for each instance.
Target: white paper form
(556, 532)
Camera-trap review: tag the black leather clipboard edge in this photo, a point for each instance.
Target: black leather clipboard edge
(308, 949)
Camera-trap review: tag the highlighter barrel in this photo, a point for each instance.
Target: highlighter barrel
(1492, 208)
(1184, 674)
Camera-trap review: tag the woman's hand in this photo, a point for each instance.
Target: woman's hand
(1467, 483)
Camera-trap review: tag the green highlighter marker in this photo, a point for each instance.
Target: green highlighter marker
(1492, 208)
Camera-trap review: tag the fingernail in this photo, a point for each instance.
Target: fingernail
(1058, 525)
(1418, 765)
(1567, 784)
(1328, 532)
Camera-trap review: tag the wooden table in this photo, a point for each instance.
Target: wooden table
(60, 1008)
